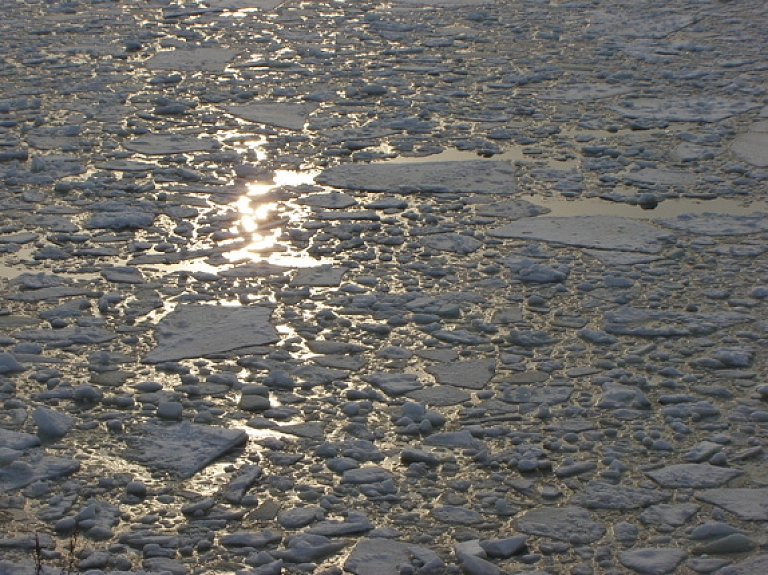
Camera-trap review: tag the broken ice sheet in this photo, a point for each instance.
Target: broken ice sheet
(590, 91)
(38, 467)
(683, 110)
(511, 210)
(713, 224)
(752, 147)
(647, 24)
(600, 232)
(289, 116)
(181, 449)
(196, 330)
(468, 374)
(477, 176)
(168, 143)
(197, 60)
(320, 276)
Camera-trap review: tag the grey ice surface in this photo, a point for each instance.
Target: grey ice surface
(599, 232)
(428, 287)
(202, 330)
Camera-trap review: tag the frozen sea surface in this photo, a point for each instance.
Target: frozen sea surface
(367, 288)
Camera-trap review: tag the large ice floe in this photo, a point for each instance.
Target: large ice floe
(194, 330)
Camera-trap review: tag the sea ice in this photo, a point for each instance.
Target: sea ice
(572, 524)
(652, 560)
(752, 147)
(600, 232)
(195, 60)
(289, 116)
(709, 110)
(182, 449)
(37, 467)
(196, 330)
(51, 424)
(510, 210)
(170, 143)
(693, 475)
(746, 503)
(477, 176)
(713, 224)
(467, 374)
(590, 92)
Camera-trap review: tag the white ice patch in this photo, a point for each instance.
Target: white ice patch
(289, 116)
(477, 176)
(197, 60)
(195, 330)
(181, 449)
(599, 232)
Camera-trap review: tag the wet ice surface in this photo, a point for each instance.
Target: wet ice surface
(423, 287)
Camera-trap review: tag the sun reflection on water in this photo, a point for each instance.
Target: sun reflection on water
(263, 218)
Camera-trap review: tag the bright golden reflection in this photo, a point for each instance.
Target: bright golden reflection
(262, 220)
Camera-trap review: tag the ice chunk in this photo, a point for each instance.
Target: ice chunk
(693, 475)
(320, 276)
(652, 560)
(601, 232)
(38, 467)
(468, 374)
(289, 116)
(712, 224)
(196, 330)
(683, 109)
(752, 147)
(456, 243)
(52, 424)
(168, 143)
(572, 524)
(18, 440)
(591, 91)
(456, 515)
(196, 60)
(476, 176)
(510, 210)
(745, 503)
(9, 364)
(181, 449)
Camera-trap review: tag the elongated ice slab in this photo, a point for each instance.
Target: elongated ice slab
(290, 116)
(599, 232)
(478, 176)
